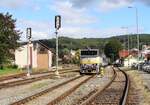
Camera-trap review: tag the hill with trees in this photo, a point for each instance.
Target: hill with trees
(71, 43)
(108, 46)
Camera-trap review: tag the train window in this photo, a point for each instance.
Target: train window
(88, 52)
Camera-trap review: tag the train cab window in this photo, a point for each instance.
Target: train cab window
(89, 52)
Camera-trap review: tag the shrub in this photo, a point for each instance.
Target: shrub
(14, 66)
(1, 67)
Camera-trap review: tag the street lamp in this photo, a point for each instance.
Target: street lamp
(137, 30)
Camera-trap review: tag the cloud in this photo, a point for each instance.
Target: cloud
(107, 5)
(83, 3)
(40, 29)
(77, 32)
(73, 16)
(12, 3)
(80, 3)
(147, 2)
(17, 4)
(103, 5)
(77, 19)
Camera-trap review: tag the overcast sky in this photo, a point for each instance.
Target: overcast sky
(80, 18)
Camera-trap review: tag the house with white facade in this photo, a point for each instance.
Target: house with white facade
(36, 55)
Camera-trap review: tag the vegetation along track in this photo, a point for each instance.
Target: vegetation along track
(54, 101)
(114, 93)
(30, 80)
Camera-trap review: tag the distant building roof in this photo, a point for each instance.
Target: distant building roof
(39, 42)
(123, 53)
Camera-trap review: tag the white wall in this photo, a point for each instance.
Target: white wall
(50, 59)
(34, 57)
(130, 62)
(21, 56)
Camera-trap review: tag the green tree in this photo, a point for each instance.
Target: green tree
(112, 49)
(76, 58)
(8, 38)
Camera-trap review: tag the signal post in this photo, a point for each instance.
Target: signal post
(57, 27)
(29, 54)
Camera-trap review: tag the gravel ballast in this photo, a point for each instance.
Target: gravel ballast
(88, 87)
(16, 93)
(10, 95)
(46, 98)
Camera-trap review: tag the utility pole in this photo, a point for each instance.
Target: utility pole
(131, 41)
(128, 48)
(57, 27)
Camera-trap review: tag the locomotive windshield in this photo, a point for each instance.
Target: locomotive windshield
(86, 53)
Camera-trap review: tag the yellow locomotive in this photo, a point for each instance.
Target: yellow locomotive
(90, 61)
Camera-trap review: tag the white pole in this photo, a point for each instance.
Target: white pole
(28, 35)
(28, 69)
(137, 30)
(28, 54)
(57, 72)
(57, 26)
(138, 41)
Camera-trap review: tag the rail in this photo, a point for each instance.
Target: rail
(58, 99)
(27, 99)
(91, 98)
(30, 80)
(126, 89)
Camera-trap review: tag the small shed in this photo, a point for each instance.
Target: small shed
(35, 54)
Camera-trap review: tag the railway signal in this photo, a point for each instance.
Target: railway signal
(57, 27)
(28, 33)
(57, 22)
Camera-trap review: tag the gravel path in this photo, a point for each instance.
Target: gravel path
(86, 88)
(16, 93)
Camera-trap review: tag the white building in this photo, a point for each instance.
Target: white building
(129, 61)
(37, 55)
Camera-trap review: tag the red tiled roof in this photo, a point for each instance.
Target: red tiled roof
(123, 53)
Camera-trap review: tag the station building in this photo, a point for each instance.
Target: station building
(35, 54)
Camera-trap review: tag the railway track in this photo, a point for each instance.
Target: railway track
(30, 80)
(75, 83)
(15, 76)
(114, 93)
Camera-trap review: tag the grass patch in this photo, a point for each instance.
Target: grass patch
(140, 84)
(9, 71)
(39, 85)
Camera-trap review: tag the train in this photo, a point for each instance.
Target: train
(90, 61)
